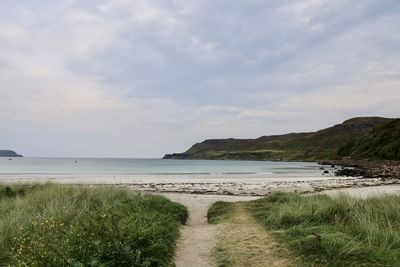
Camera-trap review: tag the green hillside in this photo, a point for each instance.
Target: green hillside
(320, 145)
(382, 143)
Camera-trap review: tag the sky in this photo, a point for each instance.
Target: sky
(141, 78)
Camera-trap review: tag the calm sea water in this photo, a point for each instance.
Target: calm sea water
(64, 168)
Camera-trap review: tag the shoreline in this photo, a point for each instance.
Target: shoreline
(228, 187)
(262, 189)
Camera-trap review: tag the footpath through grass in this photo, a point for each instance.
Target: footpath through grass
(242, 241)
(49, 225)
(339, 231)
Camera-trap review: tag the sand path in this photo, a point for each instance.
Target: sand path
(198, 238)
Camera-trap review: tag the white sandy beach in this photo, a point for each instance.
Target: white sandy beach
(246, 186)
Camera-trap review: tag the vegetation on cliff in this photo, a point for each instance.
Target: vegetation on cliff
(320, 145)
(381, 143)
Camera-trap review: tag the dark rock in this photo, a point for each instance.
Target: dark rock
(8, 153)
(176, 156)
(350, 172)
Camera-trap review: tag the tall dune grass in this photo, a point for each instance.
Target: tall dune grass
(340, 231)
(48, 225)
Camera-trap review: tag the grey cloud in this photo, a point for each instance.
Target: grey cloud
(176, 72)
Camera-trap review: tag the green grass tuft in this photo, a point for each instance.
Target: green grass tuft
(48, 225)
(221, 256)
(340, 231)
(218, 211)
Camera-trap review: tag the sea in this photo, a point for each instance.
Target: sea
(119, 170)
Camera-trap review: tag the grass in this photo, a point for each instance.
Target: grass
(49, 225)
(317, 230)
(219, 211)
(222, 256)
(340, 231)
(242, 241)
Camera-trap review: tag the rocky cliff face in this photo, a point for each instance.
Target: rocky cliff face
(8, 153)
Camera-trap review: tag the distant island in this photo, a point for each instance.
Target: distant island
(9, 153)
(358, 138)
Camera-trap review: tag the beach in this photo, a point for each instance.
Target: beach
(216, 177)
(234, 186)
(191, 184)
(261, 188)
(245, 186)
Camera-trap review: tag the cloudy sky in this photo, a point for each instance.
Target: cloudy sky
(140, 78)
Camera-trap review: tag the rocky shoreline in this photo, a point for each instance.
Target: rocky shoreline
(366, 168)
